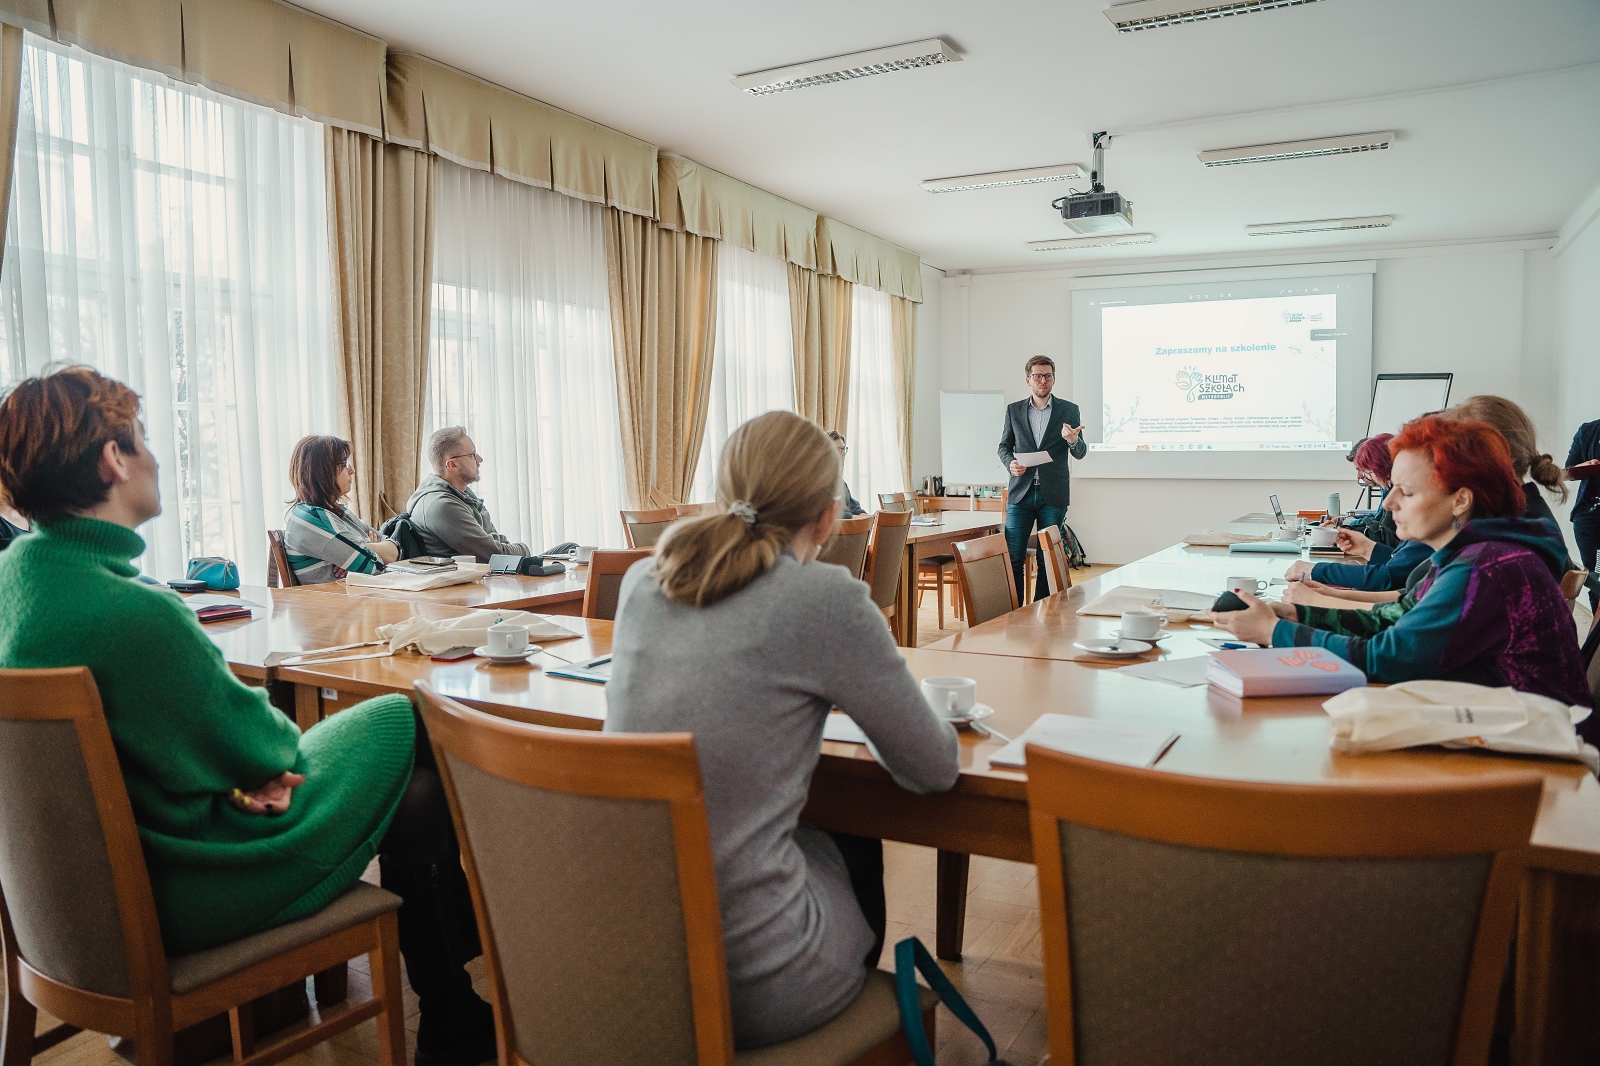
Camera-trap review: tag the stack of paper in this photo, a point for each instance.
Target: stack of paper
(1212, 538)
(1092, 738)
(1177, 605)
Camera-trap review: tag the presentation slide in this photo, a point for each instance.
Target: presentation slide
(1222, 375)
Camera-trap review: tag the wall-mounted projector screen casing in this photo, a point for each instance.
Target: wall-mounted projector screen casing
(970, 424)
(1254, 373)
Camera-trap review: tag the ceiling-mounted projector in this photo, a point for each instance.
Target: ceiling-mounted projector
(1096, 211)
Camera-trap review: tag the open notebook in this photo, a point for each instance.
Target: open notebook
(1120, 742)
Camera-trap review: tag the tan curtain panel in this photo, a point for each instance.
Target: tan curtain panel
(711, 204)
(263, 51)
(819, 315)
(10, 96)
(903, 331)
(663, 328)
(861, 258)
(381, 200)
(435, 108)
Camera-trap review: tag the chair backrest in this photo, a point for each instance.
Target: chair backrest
(1057, 570)
(983, 566)
(896, 501)
(643, 528)
(1572, 584)
(278, 562)
(1196, 919)
(693, 510)
(848, 545)
(75, 898)
(605, 580)
(589, 858)
(887, 554)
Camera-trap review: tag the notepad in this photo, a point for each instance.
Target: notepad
(597, 669)
(1283, 672)
(842, 727)
(1124, 743)
(1266, 547)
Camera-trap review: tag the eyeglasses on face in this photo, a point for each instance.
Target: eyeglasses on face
(475, 457)
(1041, 377)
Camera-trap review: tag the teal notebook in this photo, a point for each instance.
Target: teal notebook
(1266, 547)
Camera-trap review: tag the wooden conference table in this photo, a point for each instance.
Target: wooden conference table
(1023, 669)
(927, 541)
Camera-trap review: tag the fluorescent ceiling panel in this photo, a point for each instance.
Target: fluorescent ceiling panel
(1318, 225)
(1152, 14)
(1000, 178)
(1317, 146)
(1073, 244)
(933, 51)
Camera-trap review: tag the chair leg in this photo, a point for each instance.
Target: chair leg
(939, 592)
(16, 1030)
(332, 985)
(384, 963)
(242, 1027)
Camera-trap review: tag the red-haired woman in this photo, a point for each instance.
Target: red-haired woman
(203, 756)
(1492, 613)
(1389, 559)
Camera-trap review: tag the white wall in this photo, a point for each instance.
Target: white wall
(1483, 312)
(1576, 266)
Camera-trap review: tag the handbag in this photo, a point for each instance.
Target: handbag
(220, 575)
(909, 957)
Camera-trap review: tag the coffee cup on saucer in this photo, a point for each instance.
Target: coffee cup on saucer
(507, 639)
(1285, 533)
(950, 697)
(1141, 624)
(1253, 585)
(1323, 536)
(583, 553)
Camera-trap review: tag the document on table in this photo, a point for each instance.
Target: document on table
(1033, 458)
(1120, 742)
(1185, 673)
(843, 728)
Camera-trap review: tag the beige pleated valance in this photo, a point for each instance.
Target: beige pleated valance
(711, 204)
(31, 15)
(862, 259)
(435, 108)
(263, 51)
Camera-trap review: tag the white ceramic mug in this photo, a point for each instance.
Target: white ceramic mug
(1285, 534)
(1140, 624)
(1253, 585)
(1324, 536)
(464, 560)
(583, 553)
(950, 697)
(507, 638)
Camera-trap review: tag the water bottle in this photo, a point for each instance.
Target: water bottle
(1333, 505)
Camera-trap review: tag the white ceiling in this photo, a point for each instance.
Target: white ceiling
(1497, 103)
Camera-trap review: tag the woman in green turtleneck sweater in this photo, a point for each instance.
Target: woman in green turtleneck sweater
(246, 823)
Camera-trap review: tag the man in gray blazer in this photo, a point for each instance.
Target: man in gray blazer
(1040, 423)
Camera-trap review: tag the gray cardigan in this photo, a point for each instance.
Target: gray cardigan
(457, 523)
(753, 677)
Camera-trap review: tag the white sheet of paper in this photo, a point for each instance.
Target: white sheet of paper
(1119, 742)
(1033, 458)
(1185, 673)
(842, 727)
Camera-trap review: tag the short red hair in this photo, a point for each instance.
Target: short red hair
(52, 431)
(1467, 454)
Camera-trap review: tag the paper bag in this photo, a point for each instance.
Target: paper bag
(1457, 715)
(471, 630)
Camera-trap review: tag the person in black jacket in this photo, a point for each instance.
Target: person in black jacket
(1586, 509)
(852, 507)
(1038, 494)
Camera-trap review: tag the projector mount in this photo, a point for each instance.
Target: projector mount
(1096, 211)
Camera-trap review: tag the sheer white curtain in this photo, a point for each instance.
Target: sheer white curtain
(520, 354)
(873, 465)
(176, 240)
(752, 366)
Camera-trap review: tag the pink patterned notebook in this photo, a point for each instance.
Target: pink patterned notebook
(1282, 672)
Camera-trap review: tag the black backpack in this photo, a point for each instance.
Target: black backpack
(1077, 558)
(403, 532)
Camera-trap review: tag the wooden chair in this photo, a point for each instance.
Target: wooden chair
(84, 943)
(884, 560)
(280, 575)
(605, 580)
(1572, 584)
(936, 571)
(896, 501)
(694, 510)
(848, 545)
(987, 584)
(1190, 919)
(643, 528)
(1053, 554)
(609, 947)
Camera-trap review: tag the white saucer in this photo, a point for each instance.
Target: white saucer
(1117, 648)
(1161, 634)
(979, 712)
(507, 660)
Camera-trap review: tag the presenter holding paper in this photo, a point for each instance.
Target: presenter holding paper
(1040, 432)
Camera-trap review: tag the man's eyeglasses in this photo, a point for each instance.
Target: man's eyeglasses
(463, 455)
(1041, 377)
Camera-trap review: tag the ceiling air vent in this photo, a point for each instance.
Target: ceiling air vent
(1318, 225)
(1308, 149)
(927, 53)
(1000, 178)
(1072, 244)
(1151, 14)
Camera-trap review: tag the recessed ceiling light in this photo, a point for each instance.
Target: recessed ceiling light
(1150, 14)
(927, 53)
(1318, 225)
(1317, 146)
(998, 178)
(1074, 243)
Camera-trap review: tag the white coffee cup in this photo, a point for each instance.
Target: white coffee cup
(1140, 624)
(1285, 534)
(507, 638)
(1253, 585)
(950, 697)
(583, 553)
(464, 560)
(1323, 536)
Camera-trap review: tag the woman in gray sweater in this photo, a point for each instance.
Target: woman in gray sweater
(733, 633)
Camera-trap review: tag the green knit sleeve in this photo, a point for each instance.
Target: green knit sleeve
(1344, 622)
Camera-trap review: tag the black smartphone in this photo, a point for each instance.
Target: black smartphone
(183, 584)
(1228, 601)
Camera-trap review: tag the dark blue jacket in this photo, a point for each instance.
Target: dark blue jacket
(1586, 446)
(1385, 572)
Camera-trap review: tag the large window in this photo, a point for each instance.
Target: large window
(874, 463)
(520, 354)
(752, 367)
(176, 240)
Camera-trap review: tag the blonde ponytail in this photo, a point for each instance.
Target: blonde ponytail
(777, 474)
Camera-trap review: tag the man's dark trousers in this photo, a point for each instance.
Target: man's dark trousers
(1020, 519)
